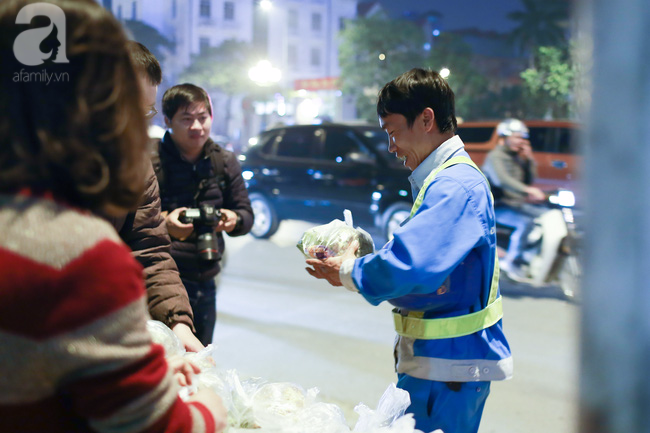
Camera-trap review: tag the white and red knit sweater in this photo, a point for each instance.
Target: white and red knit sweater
(75, 354)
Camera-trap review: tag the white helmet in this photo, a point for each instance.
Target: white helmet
(512, 126)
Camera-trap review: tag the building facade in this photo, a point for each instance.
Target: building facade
(302, 41)
(189, 25)
(298, 37)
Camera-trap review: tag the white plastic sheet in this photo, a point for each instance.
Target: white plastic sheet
(257, 406)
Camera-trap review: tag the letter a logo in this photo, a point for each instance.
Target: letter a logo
(29, 45)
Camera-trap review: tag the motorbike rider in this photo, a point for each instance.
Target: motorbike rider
(511, 170)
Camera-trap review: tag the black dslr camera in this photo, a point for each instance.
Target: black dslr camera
(204, 218)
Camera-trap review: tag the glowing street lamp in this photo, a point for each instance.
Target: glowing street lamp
(445, 72)
(264, 74)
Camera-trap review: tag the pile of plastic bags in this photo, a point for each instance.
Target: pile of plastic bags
(282, 407)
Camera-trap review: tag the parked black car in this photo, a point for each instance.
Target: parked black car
(314, 172)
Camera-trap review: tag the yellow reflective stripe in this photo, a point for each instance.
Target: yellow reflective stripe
(448, 327)
(453, 161)
(494, 286)
(414, 326)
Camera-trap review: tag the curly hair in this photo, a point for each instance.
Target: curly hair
(412, 92)
(81, 134)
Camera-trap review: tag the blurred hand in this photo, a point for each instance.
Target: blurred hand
(187, 337)
(213, 403)
(535, 194)
(525, 150)
(328, 269)
(228, 221)
(182, 369)
(177, 229)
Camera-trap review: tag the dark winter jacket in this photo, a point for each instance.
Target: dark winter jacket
(145, 232)
(179, 187)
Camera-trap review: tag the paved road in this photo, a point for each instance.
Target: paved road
(278, 323)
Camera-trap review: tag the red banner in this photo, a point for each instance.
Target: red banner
(314, 84)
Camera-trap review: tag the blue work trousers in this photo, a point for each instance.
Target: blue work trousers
(203, 300)
(454, 407)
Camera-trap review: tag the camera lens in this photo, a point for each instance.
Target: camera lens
(208, 247)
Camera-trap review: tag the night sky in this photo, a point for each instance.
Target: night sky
(461, 14)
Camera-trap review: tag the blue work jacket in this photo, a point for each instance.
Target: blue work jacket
(441, 262)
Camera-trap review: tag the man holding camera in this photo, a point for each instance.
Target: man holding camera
(203, 195)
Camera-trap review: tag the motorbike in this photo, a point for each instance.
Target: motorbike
(550, 252)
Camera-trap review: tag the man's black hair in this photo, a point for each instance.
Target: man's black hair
(412, 92)
(181, 96)
(145, 62)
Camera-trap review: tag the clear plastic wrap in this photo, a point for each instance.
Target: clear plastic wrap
(391, 406)
(203, 359)
(274, 403)
(333, 238)
(161, 334)
(240, 414)
(320, 417)
(257, 406)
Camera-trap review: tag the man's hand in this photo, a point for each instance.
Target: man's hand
(228, 221)
(177, 229)
(525, 151)
(328, 269)
(189, 340)
(535, 194)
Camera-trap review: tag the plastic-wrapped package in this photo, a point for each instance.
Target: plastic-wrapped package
(333, 238)
(403, 424)
(275, 403)
(257, 406)
(161, 334)
(392, 405)
(320, 417)
(203, 359)
(218, 381)
(241, 393)
(213, 378)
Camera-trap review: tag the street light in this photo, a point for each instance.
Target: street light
(264, 74)
(445, 72)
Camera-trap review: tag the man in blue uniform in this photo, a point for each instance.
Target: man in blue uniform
(440, 270)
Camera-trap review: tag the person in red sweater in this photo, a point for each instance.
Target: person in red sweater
(75, 353)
